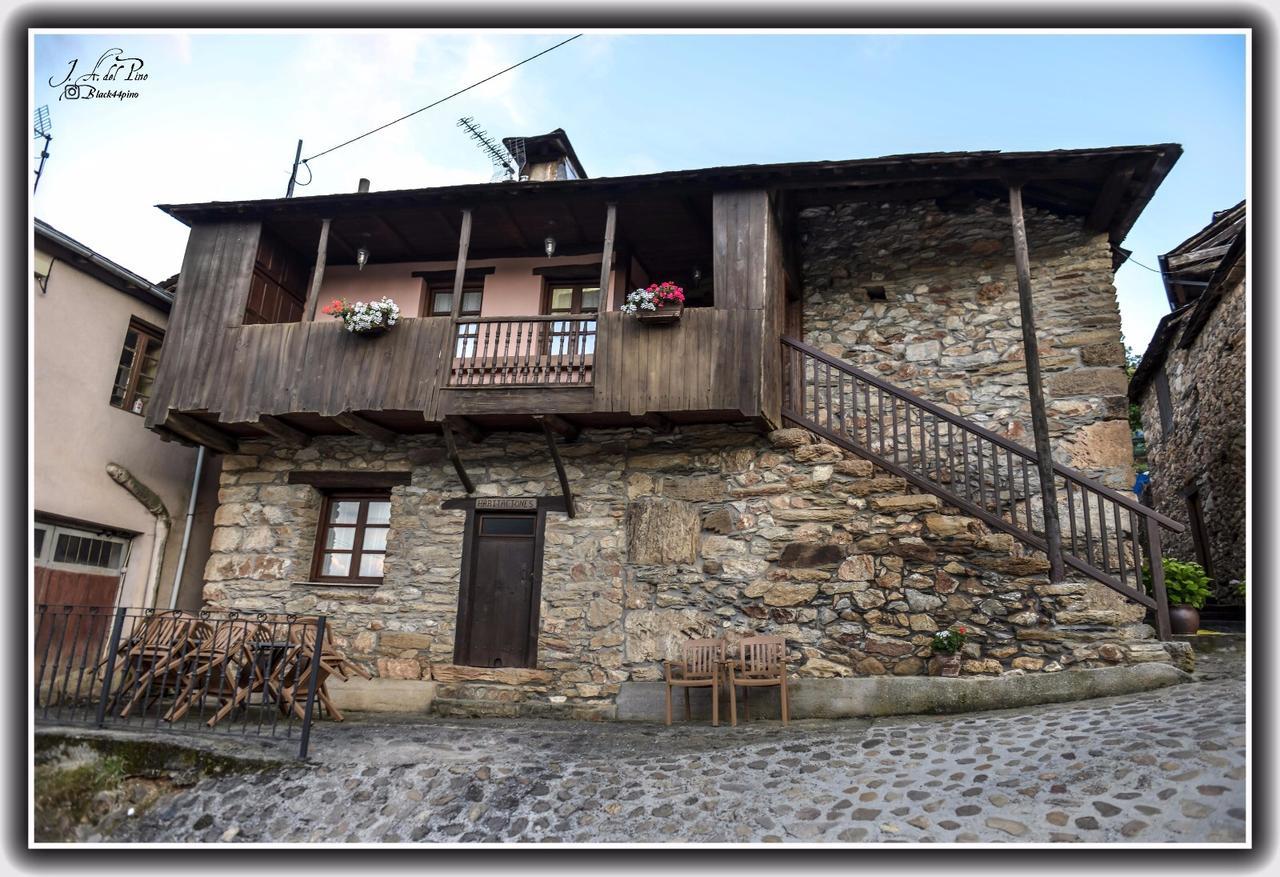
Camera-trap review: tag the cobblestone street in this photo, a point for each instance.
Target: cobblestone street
(1167, 766)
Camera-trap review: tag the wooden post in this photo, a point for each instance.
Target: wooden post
(606, 259)
(1157, 580)
(317, 276)
(1039, 421)
(460, 270)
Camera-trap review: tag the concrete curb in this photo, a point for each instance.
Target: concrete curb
(910, 695)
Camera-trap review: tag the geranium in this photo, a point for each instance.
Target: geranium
(949, 641)
(364, 316)
(653, 297)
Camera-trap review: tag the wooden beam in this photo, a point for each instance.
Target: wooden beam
(460, 268)
(201, 433)
(365, 427)
(317, 276)
(1109, 198)
(1031, 354)
(560, 426)
(559, 464)
(350, 479)
(506, 213)
(404, 243)
(657, 423)
(474, 434)
(341, 241)
(452, 449)
(276, 427)
(606, 257)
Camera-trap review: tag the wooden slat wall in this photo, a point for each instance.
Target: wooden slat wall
(210, 299)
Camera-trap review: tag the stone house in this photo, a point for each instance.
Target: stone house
(521, 499)
(1190, 386)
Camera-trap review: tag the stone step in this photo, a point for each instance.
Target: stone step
(459, 708)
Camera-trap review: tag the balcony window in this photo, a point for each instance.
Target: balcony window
(136, 371)
(572, 336)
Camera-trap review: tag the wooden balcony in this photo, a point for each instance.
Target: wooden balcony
(542, 351)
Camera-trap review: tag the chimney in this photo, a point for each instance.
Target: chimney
(363, 185)
(546, 157)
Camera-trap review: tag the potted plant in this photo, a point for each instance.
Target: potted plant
(366, 319)
(946, 651)
(656, 303)
(1187, 587)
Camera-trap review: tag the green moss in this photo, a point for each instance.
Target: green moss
(65, 790)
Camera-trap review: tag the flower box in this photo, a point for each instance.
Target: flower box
(365, 319)
(657, 304)
(668, 313)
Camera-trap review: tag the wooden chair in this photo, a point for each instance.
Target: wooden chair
(294, 676)
(149, 656)
(761, 662)
(218, 666)
(699, 667)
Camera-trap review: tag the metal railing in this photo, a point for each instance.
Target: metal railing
(1104, 534)
(549, 350)
(146, 669)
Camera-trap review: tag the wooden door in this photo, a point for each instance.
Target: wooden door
(499, 627)
(68, 630)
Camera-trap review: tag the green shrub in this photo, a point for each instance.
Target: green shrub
(1185, 582)
(948, 642)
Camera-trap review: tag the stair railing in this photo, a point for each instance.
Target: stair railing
(1106, 535)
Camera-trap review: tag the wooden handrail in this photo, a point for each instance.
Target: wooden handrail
(1011, 446)
(980, 473)
(537, 318)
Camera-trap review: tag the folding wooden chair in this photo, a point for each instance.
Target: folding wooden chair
(216, 667)
(761, 663)
(150, 655)
(699, 668)
(294, 678)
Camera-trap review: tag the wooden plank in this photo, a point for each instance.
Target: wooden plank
(317, 275)
(474, 434)
(606, 258)
(560, 426)
(201, 433)
(559, 464)
(460, 269)
(288, 434)
(1039, 420)
(355, 479)
(452, 450)
(365, 427)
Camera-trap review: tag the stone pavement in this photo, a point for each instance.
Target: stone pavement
(1166, 766)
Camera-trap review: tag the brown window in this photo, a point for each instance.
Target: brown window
(441, 300)
(276, 289)
(136, 373)
(571, 337)
(351, 541)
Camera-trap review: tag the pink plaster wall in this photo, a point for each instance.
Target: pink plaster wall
(512, 290)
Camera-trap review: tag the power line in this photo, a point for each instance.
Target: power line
(442, 100)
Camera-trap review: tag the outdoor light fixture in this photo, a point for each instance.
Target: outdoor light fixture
(697, 275)
(362, 258)
(550, 246)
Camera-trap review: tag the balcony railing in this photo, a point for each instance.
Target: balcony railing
(551, 350)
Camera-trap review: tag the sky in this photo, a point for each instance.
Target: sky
(219, 116)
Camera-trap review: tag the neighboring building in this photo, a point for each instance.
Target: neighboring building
(1191, 388)
(526, 498)
(99, 331)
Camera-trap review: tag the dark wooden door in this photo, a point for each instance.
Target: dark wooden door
(70, 628)
(502, 594)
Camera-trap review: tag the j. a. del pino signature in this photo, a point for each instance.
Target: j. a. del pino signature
(111, 67)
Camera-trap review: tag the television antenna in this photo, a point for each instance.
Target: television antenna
(505, 165)
(41, 125)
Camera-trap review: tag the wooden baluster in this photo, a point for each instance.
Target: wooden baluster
(866, 408)
(906, 422)
(1115, 508)
(842, 414)
(1136, 546)
(1013, 489)
(884, 448)
(827, 387)
(1026, 495)
(1102, 534)
(964, 463)
(1088, 525)
(982, 478)
(506, 351)
(1071, 516)
(937, 452)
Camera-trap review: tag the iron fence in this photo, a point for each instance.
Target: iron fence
(185, 672)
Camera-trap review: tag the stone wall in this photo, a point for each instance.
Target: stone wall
(1206, 446)
(949, 327)
(712, 530)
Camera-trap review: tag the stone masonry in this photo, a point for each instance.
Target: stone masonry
(926, 297)
(1206, 446)
(711, 530)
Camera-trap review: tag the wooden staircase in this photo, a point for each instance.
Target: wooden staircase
(1105, 535)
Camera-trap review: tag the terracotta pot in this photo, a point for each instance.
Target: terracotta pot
(945, 665)
(1184, 619)
(667, 314)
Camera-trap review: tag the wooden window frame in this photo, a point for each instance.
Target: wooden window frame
(148, 335)
(364, 497)
(569, 339)
(434, 290)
